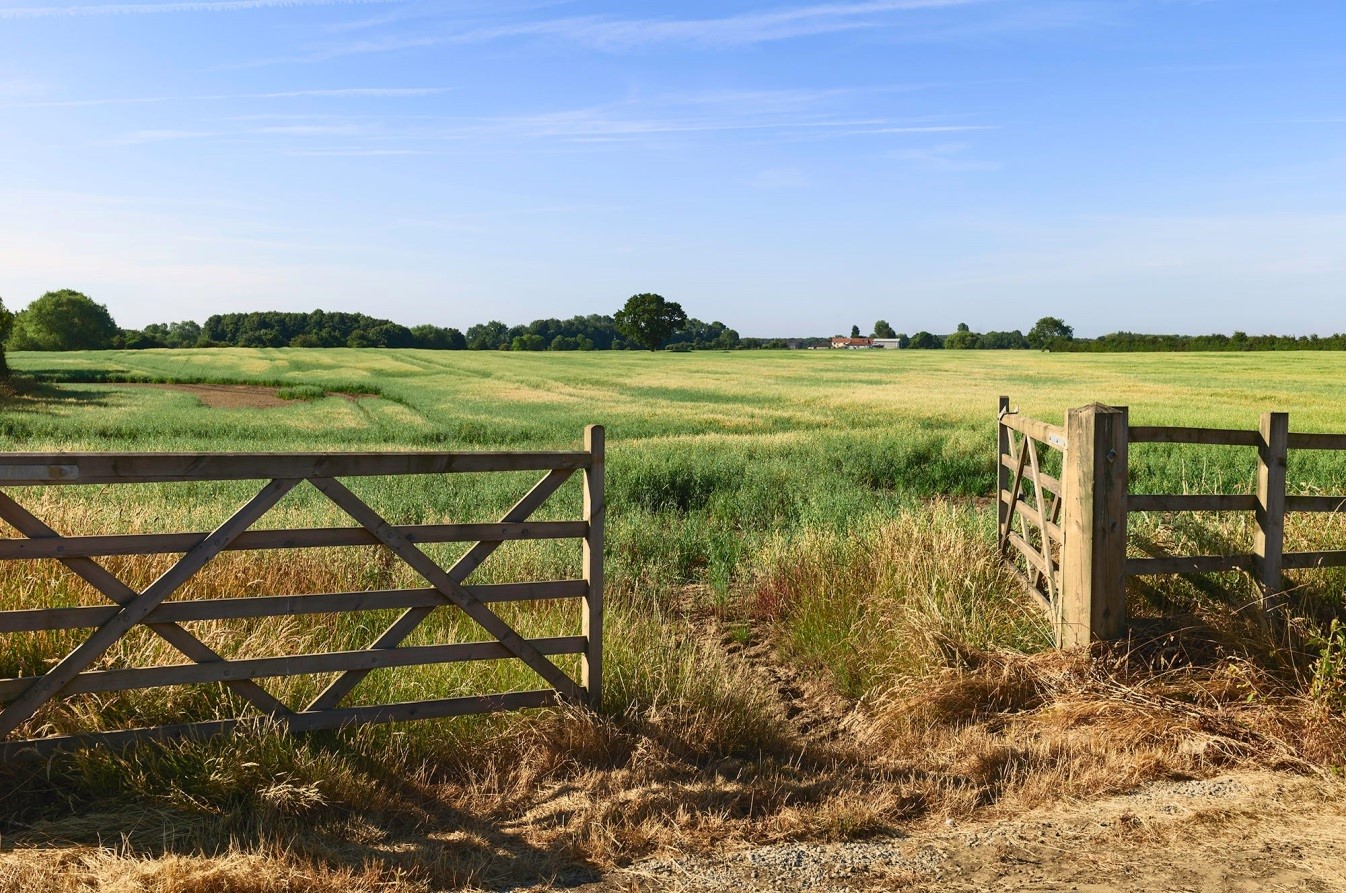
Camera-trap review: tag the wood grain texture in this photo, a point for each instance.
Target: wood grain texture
(1095, 476)
(1269, 537)
(1196, 502)
(1208, 436)
(300, 538)
(134, 611)
(292, 665)
(595, 510)
(27, 469)
(34, 619)
(41, 748)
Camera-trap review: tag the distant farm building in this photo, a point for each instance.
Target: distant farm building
(841, 343)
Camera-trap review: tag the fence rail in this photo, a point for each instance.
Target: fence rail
(77, 672)
(1090, 559)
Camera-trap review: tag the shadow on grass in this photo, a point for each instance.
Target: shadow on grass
(410, 833)
(31, 395)
(554, 801)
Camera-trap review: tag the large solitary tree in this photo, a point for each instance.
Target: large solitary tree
(63, 320)
(1049, 331)
(883, 330)
(649, 320)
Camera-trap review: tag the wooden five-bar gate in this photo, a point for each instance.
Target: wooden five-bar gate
(152, 607)
(1066, 538)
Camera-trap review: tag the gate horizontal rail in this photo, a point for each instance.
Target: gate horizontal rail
(32, 469)
(78, 672)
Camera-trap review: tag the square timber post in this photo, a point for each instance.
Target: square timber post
(1269, 538)
(1093, 561)
(591, 662)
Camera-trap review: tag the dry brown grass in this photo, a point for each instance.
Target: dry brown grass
(952, 709)
(105, 870)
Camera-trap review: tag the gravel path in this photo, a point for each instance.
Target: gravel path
(1248, 832)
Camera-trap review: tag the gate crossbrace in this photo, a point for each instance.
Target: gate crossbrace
(1027, 469)
(1042, 513)
(449, 584)
(52, 683)
(107, 583)
(1014, 493)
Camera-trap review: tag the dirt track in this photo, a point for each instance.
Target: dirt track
(1246, 832)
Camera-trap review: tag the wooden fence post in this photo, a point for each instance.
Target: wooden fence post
(1093, 560)
(591, 663)
(1269, 539)
(1002, 476)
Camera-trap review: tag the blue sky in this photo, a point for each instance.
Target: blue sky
(788, 168)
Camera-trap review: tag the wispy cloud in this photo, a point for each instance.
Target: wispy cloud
(348, 91)
(355, 153)
(338, 93)
(744, 28)
(141, 137)
(116, 9)
(775, 116)
(946, 157)
(617, 34)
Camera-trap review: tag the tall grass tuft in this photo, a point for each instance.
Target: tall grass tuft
(892, 597)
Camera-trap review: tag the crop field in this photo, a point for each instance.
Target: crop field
(791, 534)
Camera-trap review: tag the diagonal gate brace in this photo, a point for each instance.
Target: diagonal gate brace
(109, 585)
(449, 584)
(134, 610)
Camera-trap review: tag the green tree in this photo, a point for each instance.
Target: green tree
(64, 320)
(184, 334)
(925, 341)
(855, 331)
(428, 337)
(883, 330)
(6, 323)
(382, 334)
(488, 336)
(528, 341)
(1048, 332)
(963, 339)
(649, 320)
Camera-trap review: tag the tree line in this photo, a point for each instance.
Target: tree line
(69, 320)
(1052, 333)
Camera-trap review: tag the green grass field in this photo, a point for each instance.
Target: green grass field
(833, 502)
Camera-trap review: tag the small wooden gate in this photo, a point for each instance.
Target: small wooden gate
(1032, 498)
(151, 607)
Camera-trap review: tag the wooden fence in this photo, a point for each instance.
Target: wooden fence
(151, 607)
(1070, 546)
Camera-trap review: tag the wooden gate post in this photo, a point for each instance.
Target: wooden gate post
(591, 662)
(1093, 560)
(1002, 475)
(1269, 538)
